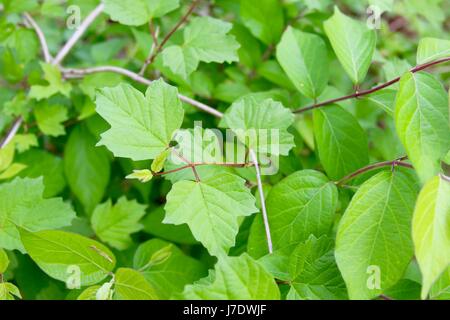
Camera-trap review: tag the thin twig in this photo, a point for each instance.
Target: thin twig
(392, 163)
(254, 159)
(78, 33)
(190, 165)
(198, 164)
(147, 62)
(171, 32)
(80, 73)
(47, 57)
(11, 132)
(374, 89)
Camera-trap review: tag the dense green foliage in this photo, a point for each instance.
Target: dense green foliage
(224, 149)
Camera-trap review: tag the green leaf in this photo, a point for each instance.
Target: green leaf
(384, 99)
(89, 293)
(235, 278)
(431, 49)
(63, 255)
(301, 204)
(50, 118)
(431, 231)
(22, 204)
(113, 224)
(261, 125)
(8, 291)
(219, 47)
(153, 224)
(211, 208)
(314, 273)
(264, 19)
(353, 42)
(373, 242)
(169, 277)
(13, 170)
(141, 126)
(143, 175)
(52, 75)
(138, 12)
(303, 57)
(422, 122)
(158, 163)
(131, 285)
(441, 288)
(87, 168)
(50, 167)
(4, 261)
(341, 142)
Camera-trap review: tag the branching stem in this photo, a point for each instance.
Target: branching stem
(369, 91)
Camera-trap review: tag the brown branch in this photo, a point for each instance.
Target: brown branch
(369, 91)
(197, 164)
(171, 32)
(393, 164)
(154, 34)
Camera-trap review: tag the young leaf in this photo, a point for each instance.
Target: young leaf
(264, 19)
(172, 273)
(261, 125)
(303, 57)
(422, 122)
(87, 168)
(138, 12)
(63, 255)
(141, 126)
(431, 49)
(431, 231)
(113, 224)
(8, 291)
(211, 208)
(4, 261)
(341, 142)
(373, 242)
(314, 273)
(131, 285)
(143, 175)
(158, 163)
(302, 204)
(235, 278)
(353, 43)
(22, 204)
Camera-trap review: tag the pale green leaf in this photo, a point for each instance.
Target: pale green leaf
(431, 49)
(131, 285)
(220, 47)
(113, 224)
(431, 231)
(138, 12)
(4, 261)
(13, 170)
(22, 204)
(211, 208)
(8, 291)
(353, 42)
(52, 75)
(143, 175)
(141, 126)
(373, 242)
(422, 122)
(235, 278)
(303, 56)
(63, 255)
(261, 125)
